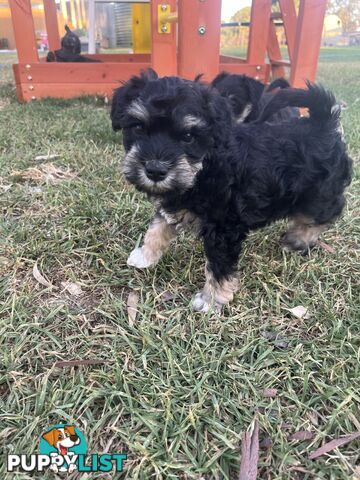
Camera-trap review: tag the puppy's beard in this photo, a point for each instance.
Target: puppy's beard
(156, 187)
(181, 176)
(186, 172)
(130, 162)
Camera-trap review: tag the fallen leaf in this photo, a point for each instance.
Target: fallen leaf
(40, 278)
(299, 312)
(250, 454)
(73, 288)
(132, 303)
(50, 156)
(314, 418)
(301, 435)
(269, 392)
(79, 363)
(44, 173)
(338, 442)
(326, 247)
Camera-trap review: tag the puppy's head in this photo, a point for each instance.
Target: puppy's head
(71, 42)
(62, 438)
(242, 92)
(169, 126)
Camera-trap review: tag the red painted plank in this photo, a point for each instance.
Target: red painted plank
(163, 52)
(64, 90)
(24, 31)
(307, 41)
(199, 38)
(259, 31)
(274, 53)
(80, 73)
(52, 28)
(288, 11)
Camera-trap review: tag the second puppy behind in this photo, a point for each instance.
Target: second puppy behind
(247, 97)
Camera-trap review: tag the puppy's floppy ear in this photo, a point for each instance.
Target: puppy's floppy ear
(50, 437)
(126, 94)
(221, 118)
(70, 429)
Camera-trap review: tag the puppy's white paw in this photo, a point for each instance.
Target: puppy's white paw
(72, 468)
(137, 259)
(201, 303)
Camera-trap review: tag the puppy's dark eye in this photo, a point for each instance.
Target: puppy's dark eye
(139, 129)
(188, 137)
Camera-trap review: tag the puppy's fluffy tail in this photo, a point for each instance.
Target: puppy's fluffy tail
(320, 102)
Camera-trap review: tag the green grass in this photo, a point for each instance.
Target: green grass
(178, 389)
(327, 54)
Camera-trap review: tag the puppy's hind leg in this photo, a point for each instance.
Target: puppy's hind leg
(157, 239)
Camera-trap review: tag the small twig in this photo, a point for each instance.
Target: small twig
(250, 454)
(338, 442)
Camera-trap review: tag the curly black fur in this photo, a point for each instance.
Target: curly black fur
(246, 175)
(247, 96)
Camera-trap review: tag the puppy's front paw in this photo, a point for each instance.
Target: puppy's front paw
(203, 304)
(291, 243)
(137, 259)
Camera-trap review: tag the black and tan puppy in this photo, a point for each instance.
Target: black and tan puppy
(70, 50)
(223, 179)
(247, 97)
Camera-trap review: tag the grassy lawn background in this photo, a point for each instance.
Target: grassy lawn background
(178, 389)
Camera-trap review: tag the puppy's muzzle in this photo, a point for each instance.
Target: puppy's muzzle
(155, 170)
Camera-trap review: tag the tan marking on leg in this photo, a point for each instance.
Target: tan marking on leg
(302, 234)
(215, 294)
(157, 239)
(222, 292)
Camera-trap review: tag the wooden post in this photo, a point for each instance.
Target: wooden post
(199, 38)
(163, 50)
(274, 53)
(259, 31)
(24, 31)
(307, 41)
(52, 24)
(288, 13)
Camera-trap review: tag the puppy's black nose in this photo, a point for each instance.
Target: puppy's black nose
(155, 170)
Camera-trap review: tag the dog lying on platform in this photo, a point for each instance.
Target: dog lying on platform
(247, 97)
(205, 172)
(70, 50)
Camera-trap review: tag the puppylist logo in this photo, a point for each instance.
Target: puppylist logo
(63, 448)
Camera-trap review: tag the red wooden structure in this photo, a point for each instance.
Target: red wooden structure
(191, 48)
